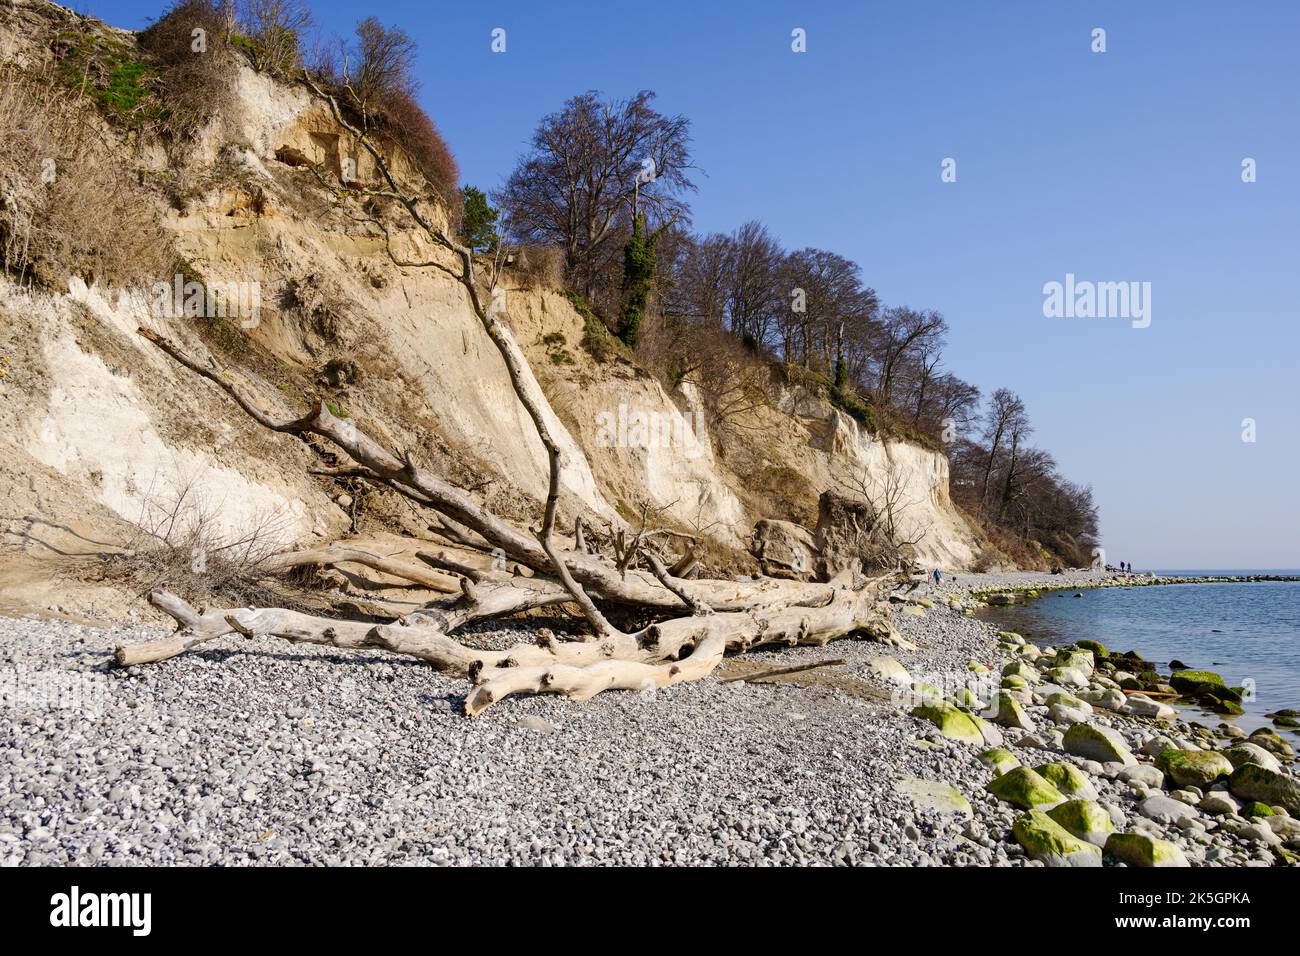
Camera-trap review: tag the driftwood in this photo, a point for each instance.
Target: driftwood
(694, 622)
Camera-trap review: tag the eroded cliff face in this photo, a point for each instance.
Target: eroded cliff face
(96, 425)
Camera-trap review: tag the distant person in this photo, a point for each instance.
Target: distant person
(938, 578)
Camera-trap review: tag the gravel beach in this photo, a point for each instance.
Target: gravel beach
(258, 752)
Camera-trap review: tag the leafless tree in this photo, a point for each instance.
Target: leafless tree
(275, 29)
(588, 162)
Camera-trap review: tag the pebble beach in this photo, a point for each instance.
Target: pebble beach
(254, 752)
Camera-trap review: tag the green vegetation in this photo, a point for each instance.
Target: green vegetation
(478, 224)
(110, 72)
(595, 337)
(638, 277)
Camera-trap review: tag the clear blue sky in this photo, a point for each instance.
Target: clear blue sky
(1118, 166)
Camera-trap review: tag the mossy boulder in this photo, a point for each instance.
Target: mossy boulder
(926, 692)
(1244, 752)
(1022, 670)
(1067, 676)
(1068, 779)
(1010, 637)
(1097, 647)
(953, 723)
(1077, 660)
(1014, 682)
(1194, 768)
(1009, 713)
(975, 667)
(1026, 789)
(1196, 683)
(1270, 741)
(1138, 849)
(1086, 819)
(1000, 759)
(1097, 743)
(1256, 809)
(1047, 841)
(1253, 782)
(965, 697)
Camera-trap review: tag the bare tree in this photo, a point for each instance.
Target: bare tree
(378, 67)
(589, 164)
(904, 333)
(1005, 412)
(275, 29)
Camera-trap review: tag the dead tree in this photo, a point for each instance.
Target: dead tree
(694, 622)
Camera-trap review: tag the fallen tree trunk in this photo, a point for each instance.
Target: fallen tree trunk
(665, 653)
(336, 554)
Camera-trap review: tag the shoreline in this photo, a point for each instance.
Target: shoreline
(245, 754)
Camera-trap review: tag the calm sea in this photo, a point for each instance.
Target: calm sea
(1243, 631)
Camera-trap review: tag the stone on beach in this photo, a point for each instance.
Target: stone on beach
(1253, 782)
(1138, 849)
(1000, 759)
(1025, 788)
(1010, 713)
(1050, 843)
(889, 670)
(1086, 819)
(1194, 768)
(1097, 743)
(932, 795)
(1068, 779)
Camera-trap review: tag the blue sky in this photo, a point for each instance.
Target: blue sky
(1115, 166)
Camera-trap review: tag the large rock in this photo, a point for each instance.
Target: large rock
(1022, 670)
(1164, 809)
(1047, 841)
(932, 795)
(888, 669)
(1253, 782)
(1025, 789)
(1097, 743)
(1009, 713)
(1067, 676)
(1068, 779)
(1076, 660)
(1195, 683)
(1245, 752)
(1106, 698)
(952, 723)
(1141, 774)
(1086, 819)
(1000, 759)
(1140, 705)
(1194, 768)
(784, 549)
(1138, 849)
(1271, 742)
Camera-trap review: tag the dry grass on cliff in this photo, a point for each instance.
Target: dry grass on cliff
(68, 207)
